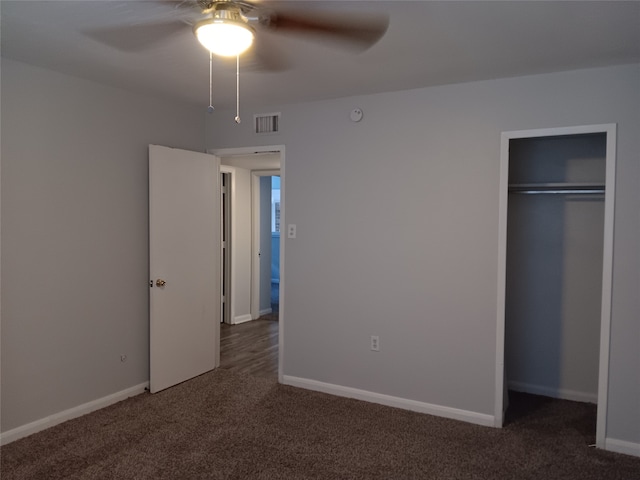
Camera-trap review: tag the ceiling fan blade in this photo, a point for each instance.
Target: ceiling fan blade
(265, 56)
(137, 38)
(352, 31)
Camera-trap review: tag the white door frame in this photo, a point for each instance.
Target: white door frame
(607, 266)
(225, 152)
(231, 188)
(255, 238)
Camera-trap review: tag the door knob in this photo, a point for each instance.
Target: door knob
(160, 283)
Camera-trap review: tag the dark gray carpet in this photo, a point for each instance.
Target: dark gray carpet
(224, 425)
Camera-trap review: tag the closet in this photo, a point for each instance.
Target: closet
(554, 264)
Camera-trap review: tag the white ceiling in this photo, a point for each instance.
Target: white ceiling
(427, 43)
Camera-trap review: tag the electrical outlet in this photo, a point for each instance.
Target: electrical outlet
(291, 230)
(375, 343)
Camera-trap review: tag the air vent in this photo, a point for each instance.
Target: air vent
(267, 123)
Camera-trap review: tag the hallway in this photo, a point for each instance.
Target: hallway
(251, 347)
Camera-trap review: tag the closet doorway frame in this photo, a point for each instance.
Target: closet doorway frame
(607, 266)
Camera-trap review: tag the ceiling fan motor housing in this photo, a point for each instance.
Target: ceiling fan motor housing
(206, 5)
(227, 12)
(225, 31)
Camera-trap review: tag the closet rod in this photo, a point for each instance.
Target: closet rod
(590, 191)
(557, 188)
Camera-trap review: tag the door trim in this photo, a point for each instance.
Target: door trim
(224, 152)
(607, 267)
(231, 188)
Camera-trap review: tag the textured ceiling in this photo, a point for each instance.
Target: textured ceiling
(427, 43)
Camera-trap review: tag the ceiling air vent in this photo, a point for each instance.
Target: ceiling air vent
(267, 123)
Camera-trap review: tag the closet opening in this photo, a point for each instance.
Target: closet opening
(555, 280)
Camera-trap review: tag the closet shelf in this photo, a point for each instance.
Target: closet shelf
(557, 188)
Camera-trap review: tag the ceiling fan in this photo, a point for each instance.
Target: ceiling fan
(230, 27)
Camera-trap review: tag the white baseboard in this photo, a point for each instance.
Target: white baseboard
(390, 401)
(266, 311)
(47, 422)
(622, 446)
(242, 319)
(561, 393)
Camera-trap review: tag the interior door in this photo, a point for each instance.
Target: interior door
(184, 264)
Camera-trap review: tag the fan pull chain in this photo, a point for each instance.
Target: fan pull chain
(210, 108)
(237, 89)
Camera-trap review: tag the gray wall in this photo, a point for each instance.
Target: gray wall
(397, 232)
(75, 236)
(416, 179)
(240, 241)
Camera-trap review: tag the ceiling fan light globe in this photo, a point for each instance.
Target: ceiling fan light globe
(224, 38)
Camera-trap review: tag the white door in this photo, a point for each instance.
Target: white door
(184, 264)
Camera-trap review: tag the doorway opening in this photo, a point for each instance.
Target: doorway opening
(254, 285)
(275, 245)
(265, 274)
(554, 284)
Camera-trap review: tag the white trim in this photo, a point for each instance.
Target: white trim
(266, 311)
(503, 195)
(607, 284)
(75, 412)
(254, 304)
(226, 152)
(282, 270)
(391, 401)
(561, 393)
(231, 192)
(558, 131)
(622, 446)
(607, 268)
(242, 319)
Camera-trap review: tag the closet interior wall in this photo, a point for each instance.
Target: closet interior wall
(555, 235)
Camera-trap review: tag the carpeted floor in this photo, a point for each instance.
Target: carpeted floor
(223, 425)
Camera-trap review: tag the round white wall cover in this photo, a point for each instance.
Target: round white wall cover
(356, 115)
